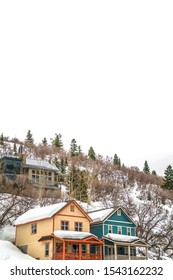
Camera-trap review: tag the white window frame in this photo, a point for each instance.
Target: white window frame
(46, 250)
(33, 228)
(119, 229)
(129, 232)
(110, 229)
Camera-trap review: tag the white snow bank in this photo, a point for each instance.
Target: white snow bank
(8, 251)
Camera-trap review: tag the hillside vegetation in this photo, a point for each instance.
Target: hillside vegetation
(92, 179)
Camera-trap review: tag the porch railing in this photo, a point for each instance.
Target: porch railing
(124, 257)
(75, 256)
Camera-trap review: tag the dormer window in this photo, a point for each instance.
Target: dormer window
(119, 212)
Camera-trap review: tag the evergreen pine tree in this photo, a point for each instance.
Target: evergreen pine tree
(29, 137)
(44, 141)
(91, 153)
(153, 172)
(168, 178)
(79, 150)
(146, 168)
(73, 148)
(2, 139)
(77, 184)
(57, 142)
(15, 148)
(20, 150)
(116, 160)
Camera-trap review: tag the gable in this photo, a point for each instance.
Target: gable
(115, 217)
(73, 209)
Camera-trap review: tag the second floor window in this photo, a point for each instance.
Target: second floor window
(78, 226)
(110, 229)
(128, 231)
(119, 230)
(64, 225)
(33, 228)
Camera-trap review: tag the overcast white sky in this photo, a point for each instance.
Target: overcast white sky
(97, 71)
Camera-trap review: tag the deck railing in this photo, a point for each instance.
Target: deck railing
(75, 256)
(124, 257)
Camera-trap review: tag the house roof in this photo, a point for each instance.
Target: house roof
(39, 213)
(120, 238)
(100, 215)
(42, 164)
(67, 234)
(45, 238)
(77, 236)
(103, 214)
(46, 212)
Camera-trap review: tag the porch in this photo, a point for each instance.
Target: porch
(71, 245)
(124, 248)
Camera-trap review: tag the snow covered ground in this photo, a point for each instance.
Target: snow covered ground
(8, 251)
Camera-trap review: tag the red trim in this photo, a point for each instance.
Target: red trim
(67, 215)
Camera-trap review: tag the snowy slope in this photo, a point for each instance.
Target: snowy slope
(8, 251)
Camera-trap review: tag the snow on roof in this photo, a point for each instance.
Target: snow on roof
(39, 213)
(121, 237)
(67, 234)
(100, 215)
(41, 164)
(8, 251)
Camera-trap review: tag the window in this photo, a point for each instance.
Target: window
(78, 226)
(72, 208)
(33, 228)
(83, 248)
(128, 231)
(58, 247)
(46, 249)
(119, 212)
(75, 248)
(110, 229)
(119, 230)
(23, 248)
(64, 225)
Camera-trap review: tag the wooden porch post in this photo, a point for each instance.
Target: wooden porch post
(115, 251)
(129, 252)
(80, 251)
(103, 251)
(63, 250)
(100, 251)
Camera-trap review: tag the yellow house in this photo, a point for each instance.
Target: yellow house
(57, 232)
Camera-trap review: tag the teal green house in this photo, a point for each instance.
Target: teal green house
(10, 167)
(118, 231)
